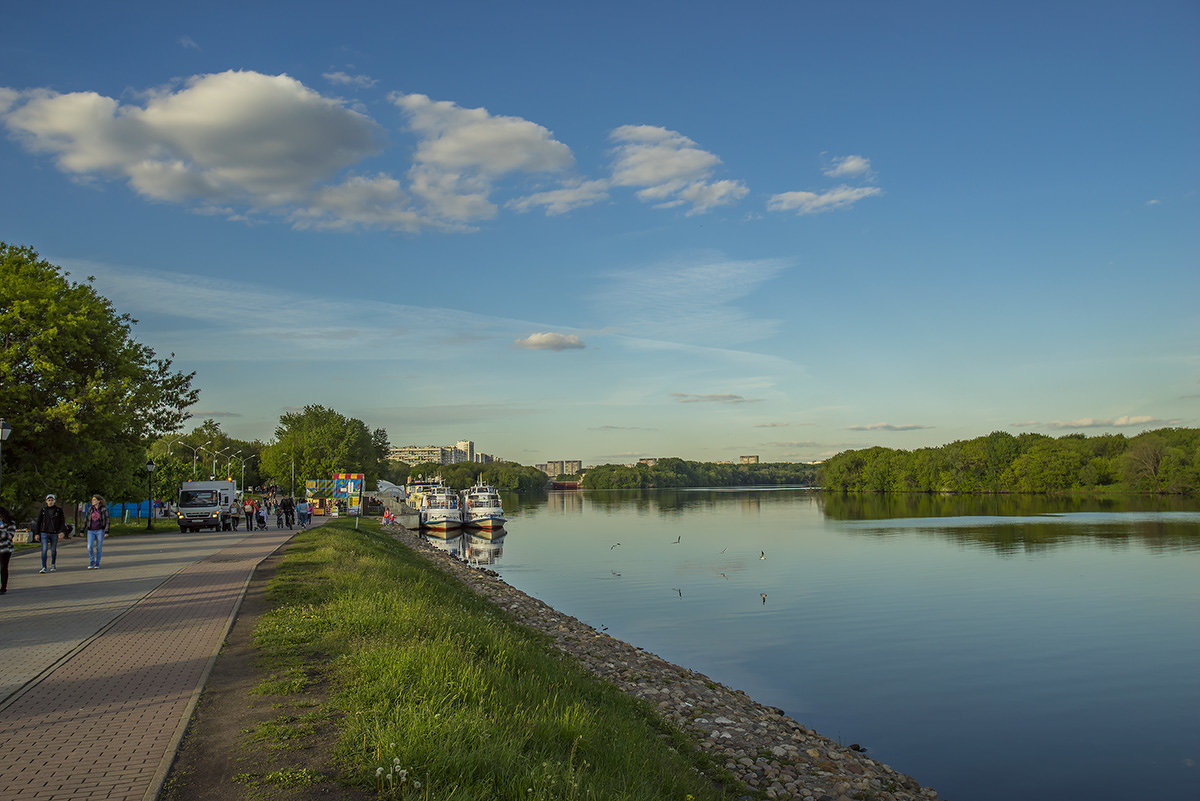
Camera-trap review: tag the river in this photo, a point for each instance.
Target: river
(992, 648)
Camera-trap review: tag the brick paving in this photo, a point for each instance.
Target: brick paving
(115, 659)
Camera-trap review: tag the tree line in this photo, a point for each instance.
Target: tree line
(1164, 461)
(675, 472)
(506, 476)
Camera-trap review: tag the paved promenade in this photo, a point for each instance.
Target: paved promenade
(100, 669)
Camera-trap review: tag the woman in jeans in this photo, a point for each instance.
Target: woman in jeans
(8, 527)
(96, 522)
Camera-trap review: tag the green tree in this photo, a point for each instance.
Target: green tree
(321, 443)
(83, 397)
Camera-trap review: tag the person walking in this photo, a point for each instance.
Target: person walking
(235, 512)
(289, 511)
(250, 509)
(302, 513)
(50, 523)
(8, 527)
(97, 527)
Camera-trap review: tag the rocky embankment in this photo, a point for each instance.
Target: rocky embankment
(760, 745)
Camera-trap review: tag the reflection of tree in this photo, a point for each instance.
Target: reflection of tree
(890, 505)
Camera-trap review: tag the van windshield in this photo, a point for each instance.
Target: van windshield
(194, 498)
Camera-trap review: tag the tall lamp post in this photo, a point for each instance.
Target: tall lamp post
(5, 430)
(195, 453)
(245, 459)
(149, 494)
(293, 458)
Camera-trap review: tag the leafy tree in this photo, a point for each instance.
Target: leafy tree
(83, 397)
(321, 443)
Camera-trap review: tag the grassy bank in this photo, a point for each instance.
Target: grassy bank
(427, 678)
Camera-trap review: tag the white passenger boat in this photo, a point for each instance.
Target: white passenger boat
(440, 510)
(481, 507)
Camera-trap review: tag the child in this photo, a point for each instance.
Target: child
(278, 517)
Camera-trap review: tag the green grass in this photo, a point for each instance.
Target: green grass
(428, 678)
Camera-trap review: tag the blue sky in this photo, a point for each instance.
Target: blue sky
(618, 230)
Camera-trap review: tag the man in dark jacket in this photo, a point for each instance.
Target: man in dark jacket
(50, 523)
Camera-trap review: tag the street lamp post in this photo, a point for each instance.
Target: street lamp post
(245, 459)
(293, 458)
(195, 453)
(5, 430)
(149, 494)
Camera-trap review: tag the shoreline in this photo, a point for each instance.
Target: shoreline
(762, 746)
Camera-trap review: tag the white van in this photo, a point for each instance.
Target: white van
(205, 504)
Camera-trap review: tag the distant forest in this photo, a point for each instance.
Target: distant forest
(680, 473)
(1165, 461)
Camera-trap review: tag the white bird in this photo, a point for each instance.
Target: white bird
(762, 554)
(613, 546)
(678, 591)
(677, 539)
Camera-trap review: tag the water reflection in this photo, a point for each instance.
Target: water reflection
(484, 549)
(451, 545)
(477, 547)
(906, 623)
(887, 506)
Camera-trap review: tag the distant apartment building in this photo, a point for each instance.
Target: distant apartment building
(562, 467)
(461, 451)
(649, 461)
(747, 460)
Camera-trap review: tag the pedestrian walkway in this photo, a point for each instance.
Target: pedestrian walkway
(101, 668)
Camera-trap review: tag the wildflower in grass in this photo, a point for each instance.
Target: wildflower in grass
(378, 772)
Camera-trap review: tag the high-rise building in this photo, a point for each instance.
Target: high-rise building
(748, 459)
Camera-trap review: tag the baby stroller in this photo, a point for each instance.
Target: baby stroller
(262, 519)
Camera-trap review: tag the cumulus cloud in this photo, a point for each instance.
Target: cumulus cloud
(244, 139)
(462, 152)
(684, 397)
(815, 202)
(886, 427)
(567, 198)
(548, 340)
(1118, 422)
(344, 79)
(849, 167)
(670, 169)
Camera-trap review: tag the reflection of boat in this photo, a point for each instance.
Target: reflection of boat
(484, 549)
(451, 545)
(439, 509)
(481, 507)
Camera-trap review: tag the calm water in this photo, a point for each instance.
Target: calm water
(993, 649)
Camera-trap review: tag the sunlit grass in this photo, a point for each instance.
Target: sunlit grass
(432, 680)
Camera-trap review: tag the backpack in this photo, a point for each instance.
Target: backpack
(248, 509)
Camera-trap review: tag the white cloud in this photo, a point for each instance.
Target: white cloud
(684, 397)
(770, 425)
(1124, 421)
(188, 42)
(813, 202)
(560, 201)
(670, 169)
(235, 138)
(462, 152)
(548, 340)
(887, 427)
(343, 79)
(849, 166)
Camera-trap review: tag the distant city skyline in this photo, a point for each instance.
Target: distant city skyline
(631, 231)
